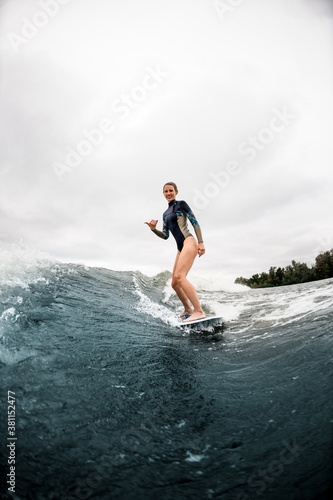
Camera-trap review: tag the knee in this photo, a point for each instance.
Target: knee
(174, 283)
(176, 280)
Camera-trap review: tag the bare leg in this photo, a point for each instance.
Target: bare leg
(180, 292)
(183, 264)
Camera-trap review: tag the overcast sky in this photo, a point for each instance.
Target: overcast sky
(103, 101)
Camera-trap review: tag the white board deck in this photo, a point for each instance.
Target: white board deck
(210, 319)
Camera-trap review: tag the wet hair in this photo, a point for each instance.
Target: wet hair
(170, 184)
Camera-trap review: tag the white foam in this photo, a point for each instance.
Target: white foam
(148, 306)
(9, 315)
(217, 282)
(296, 304)
(191, 457)
(21, 265)
(168, 291)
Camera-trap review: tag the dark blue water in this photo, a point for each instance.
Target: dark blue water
(115, 401)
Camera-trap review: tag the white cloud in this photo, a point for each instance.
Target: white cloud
(224, 80)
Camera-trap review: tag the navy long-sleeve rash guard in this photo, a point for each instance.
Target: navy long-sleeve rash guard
(175, 220)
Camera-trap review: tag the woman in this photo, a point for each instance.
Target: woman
(175, 220)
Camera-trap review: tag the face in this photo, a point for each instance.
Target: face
(169, 192)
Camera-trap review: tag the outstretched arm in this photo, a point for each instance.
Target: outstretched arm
(152, 225)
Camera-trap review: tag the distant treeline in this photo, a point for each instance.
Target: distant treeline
(291, 275)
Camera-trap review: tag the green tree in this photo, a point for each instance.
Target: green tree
(324, 265)
(241, 281)
(279, 275)
(297, 272)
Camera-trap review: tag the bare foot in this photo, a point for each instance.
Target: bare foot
(194, 316)
(186, 313)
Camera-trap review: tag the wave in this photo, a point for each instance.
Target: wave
(29, 276)
(100, 369)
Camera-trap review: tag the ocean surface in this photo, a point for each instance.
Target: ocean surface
(113, 400)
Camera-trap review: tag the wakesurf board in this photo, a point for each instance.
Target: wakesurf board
(209, 320)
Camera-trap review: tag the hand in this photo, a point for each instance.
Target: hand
(201, 249)
(152, 224)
